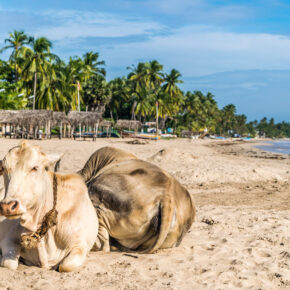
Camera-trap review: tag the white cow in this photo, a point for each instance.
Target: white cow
(30, 188)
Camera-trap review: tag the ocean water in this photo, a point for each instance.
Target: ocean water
(277, 147)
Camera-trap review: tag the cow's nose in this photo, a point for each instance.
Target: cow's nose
(9, 208)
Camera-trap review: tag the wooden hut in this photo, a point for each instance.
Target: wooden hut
(129, 125)
(8, 120)
(60, 119)
(25, 123)
(35, 122)
(107, 125)
(38, 123)
(85, 121)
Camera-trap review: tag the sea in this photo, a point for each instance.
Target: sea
(279, 146)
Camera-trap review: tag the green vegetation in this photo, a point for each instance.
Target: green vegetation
(34, 77)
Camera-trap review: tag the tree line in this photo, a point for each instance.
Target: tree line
(35, 77)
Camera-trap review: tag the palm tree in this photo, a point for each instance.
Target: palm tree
(228, 117)
(171, 80)
(175, 97)
(91, 65)
(37, 60)
(137, 76)
(96, 93)
(15, 42)
(138, 80)
(10, 98)
(155, 75)
(52, 92)
(143, 103)
(120, 92)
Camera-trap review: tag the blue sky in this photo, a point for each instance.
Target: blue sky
(238, 50)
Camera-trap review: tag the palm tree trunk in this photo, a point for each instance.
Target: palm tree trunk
(16, 74)
(34, 89)
(133, 111)
(111, 113)
(163, 121)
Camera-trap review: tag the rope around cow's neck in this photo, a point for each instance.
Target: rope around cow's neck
(30, 241)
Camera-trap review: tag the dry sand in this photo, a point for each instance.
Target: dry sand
(241, 238)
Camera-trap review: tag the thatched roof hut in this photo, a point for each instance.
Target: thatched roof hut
(34, 118)
(25, 117)
(128, 124)
(59, 118)
(8, 116)
(106, 123)
(84, 118)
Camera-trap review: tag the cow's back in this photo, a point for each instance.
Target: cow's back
(101, 159)
(129, 192)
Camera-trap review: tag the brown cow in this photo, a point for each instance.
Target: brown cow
(140, 206)
(30, 192)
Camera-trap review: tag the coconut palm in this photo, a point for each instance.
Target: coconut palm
(138, 76)
(174, 96)
(91, 64)
(120, 93)
(52, 92)
(143, 103)
(138, 81)
(37, 60)
(10, 98)
(96, 93)
(228, 117)
(154, 75)
(15, 42)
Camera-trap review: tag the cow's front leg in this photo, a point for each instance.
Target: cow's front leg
(104, 239)
(74, 260)
(42, 255)
(10, 256)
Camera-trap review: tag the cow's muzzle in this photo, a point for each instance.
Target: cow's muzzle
(10, 209)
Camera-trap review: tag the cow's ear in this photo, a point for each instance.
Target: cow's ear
(53, 161)
(1, 168)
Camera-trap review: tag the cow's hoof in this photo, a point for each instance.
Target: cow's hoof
(68, 268)
(10, 264)
(106, 248)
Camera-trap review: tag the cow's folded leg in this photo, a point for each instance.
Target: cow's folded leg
(10, 257)
(104, 239)
(43, 255)
(74, 260)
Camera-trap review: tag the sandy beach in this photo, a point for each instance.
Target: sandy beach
(241, 237)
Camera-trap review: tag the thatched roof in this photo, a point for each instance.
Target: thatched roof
(84, 118)
(106, 123)
(59, 117)
(34, 118)
(25, 117)
(41, 118)
(8, 116)
(128, 124)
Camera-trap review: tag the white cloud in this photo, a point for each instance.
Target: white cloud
(194, 49)
(197, 50)
(201, 11)
(74, 24)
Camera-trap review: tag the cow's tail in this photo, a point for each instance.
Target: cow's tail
(167, 211)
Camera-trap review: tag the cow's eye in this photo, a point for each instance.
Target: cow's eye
(35, 168)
